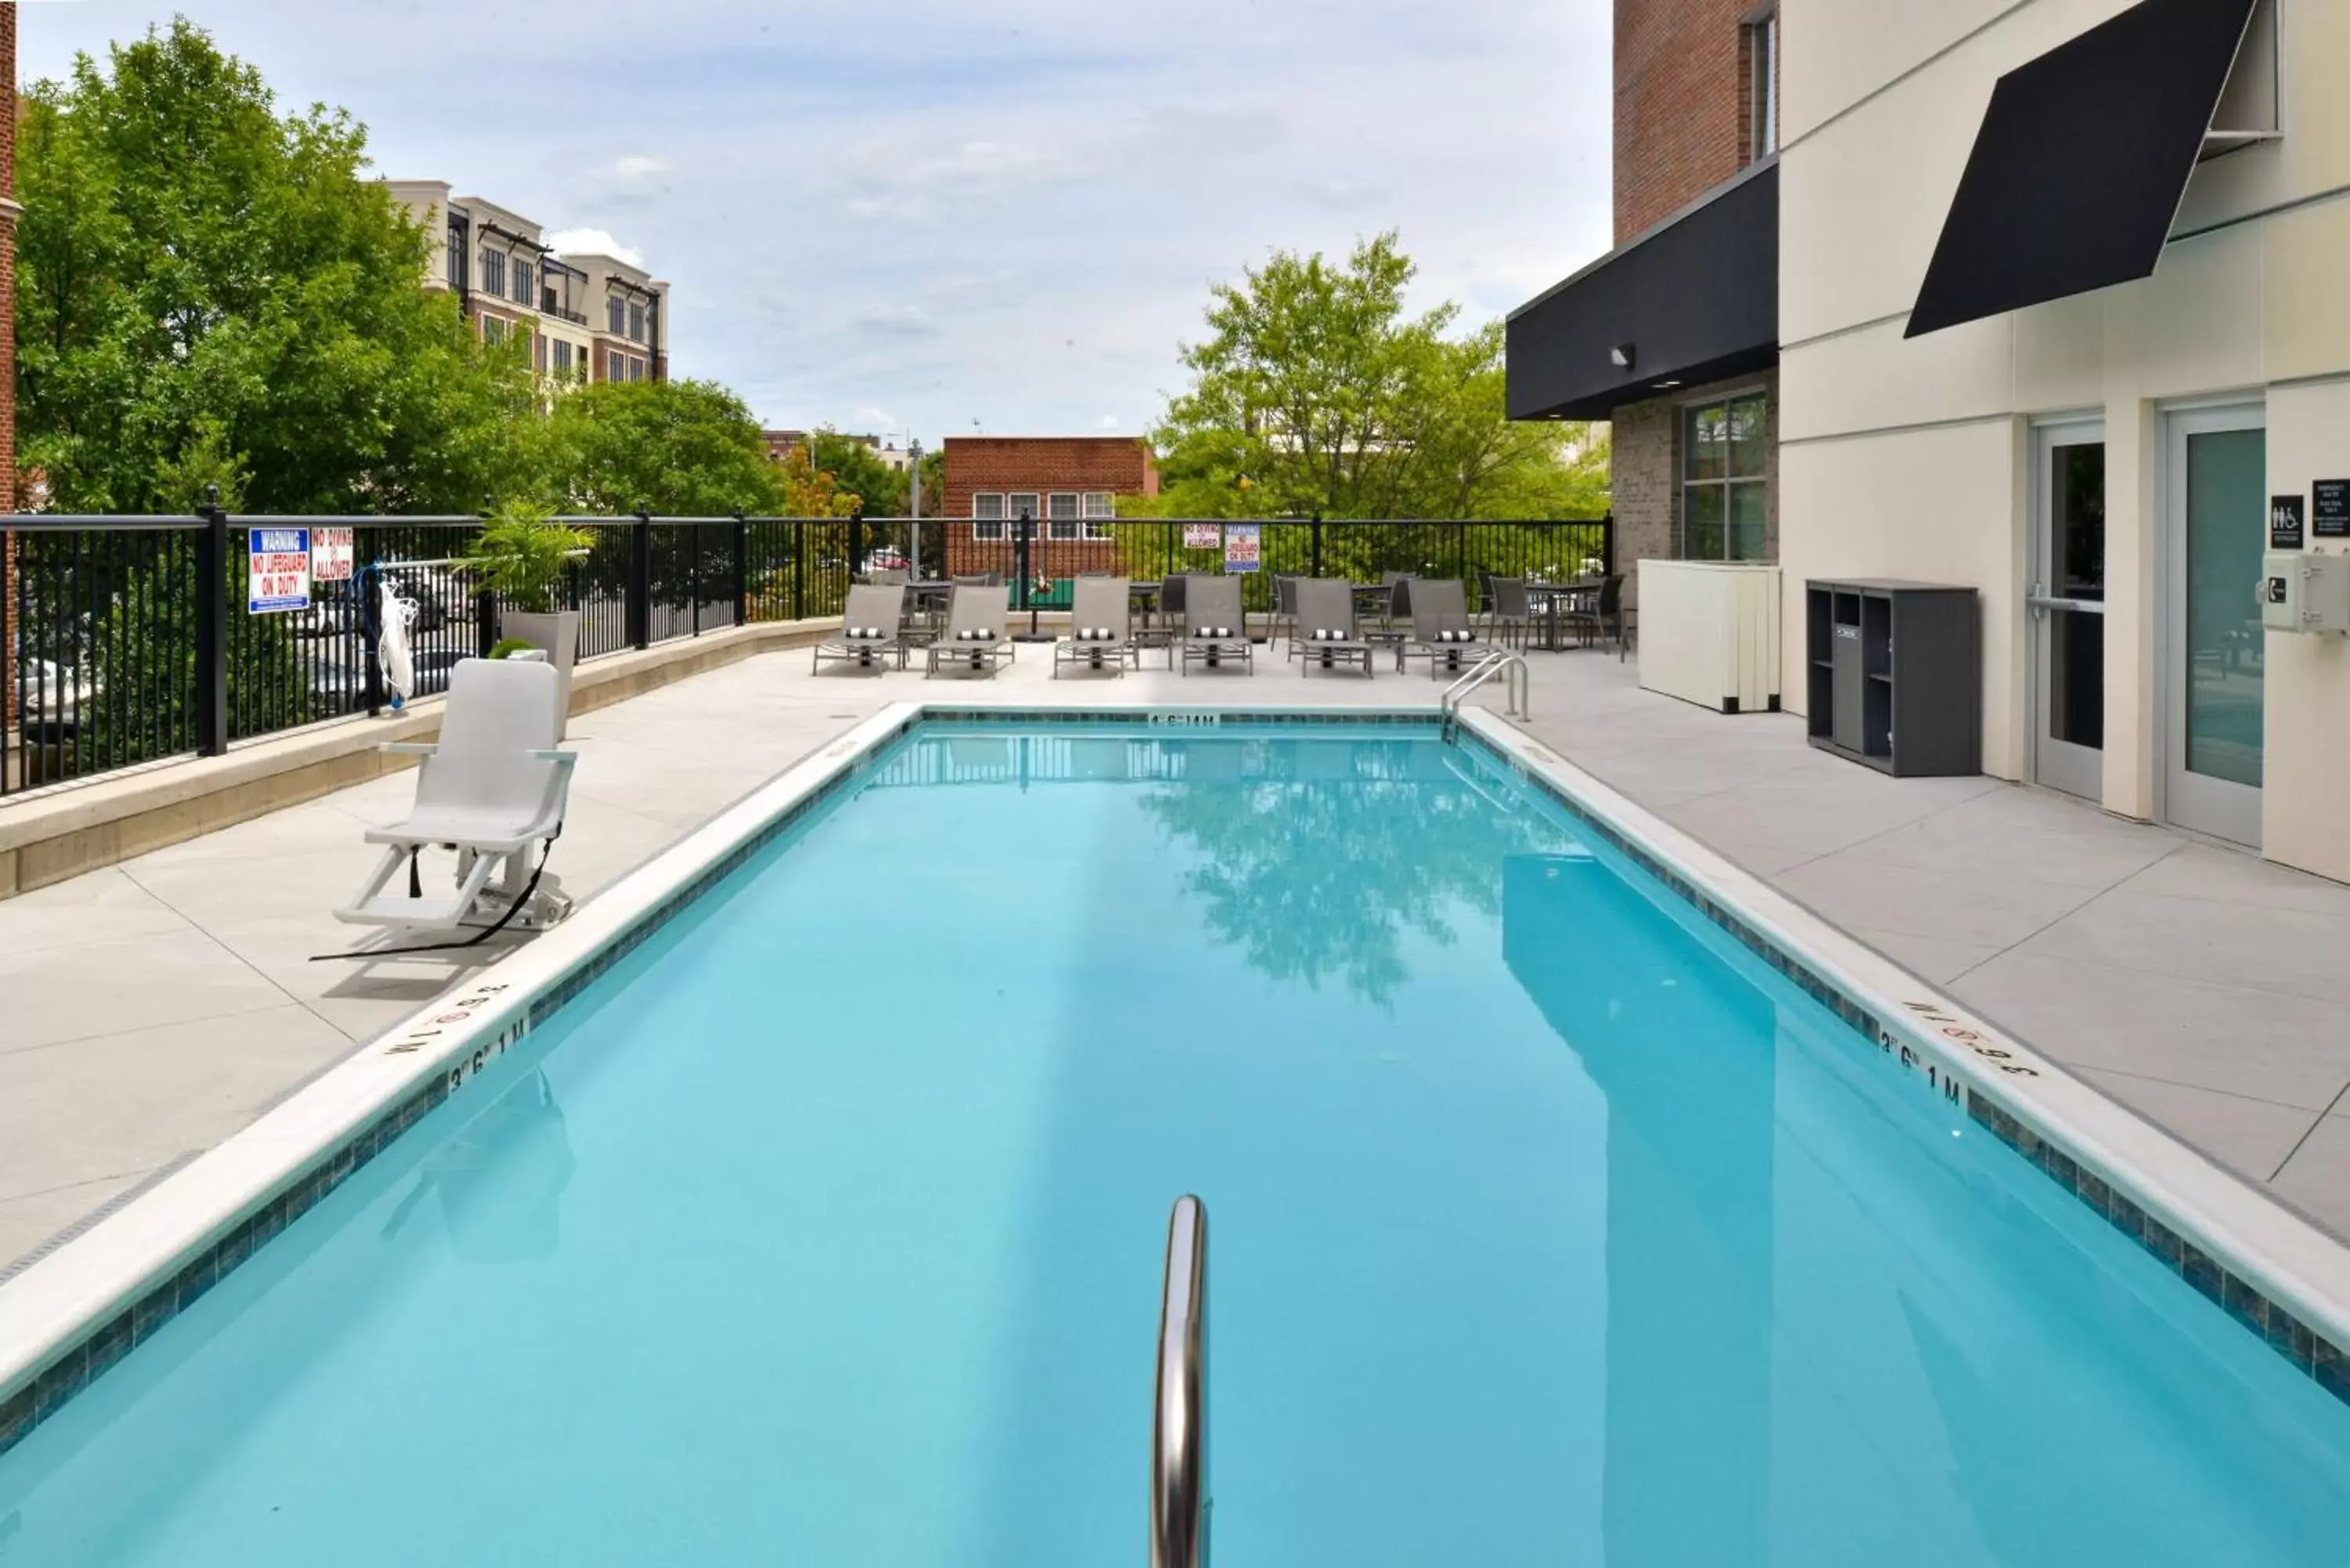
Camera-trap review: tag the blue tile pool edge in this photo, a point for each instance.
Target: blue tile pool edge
(454, 1038)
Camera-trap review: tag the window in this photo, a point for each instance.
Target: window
(1061, 512)
(1725, 449)
(538, 352)
(494, 272)
(616, 316)
(494, 330)
(1017, 505)
(453, 262)
(1100, 506)
(1763, 86)
(562, 357)
(635, 323)
(614, 369)
(636, 369)
(987, 518)
(521, 281)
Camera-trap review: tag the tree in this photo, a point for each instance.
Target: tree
(857, 469)
(809, 491)
(206, 289)
(687, 449)
(1315, 394)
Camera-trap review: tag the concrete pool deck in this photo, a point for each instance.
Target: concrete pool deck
(159, 1006)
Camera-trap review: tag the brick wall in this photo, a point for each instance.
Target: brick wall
(1682, 109)
(1041, 465)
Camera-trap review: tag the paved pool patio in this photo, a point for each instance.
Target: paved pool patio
(158, 1006)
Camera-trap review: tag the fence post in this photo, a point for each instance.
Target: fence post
(640, 581)
(367, 594)
(212, 627)
(1461, 552)
(855, 539)
(1318, 545)
(742, 571)
(1023, 544)
(1607, 544)
(485, 617)
(799, 569)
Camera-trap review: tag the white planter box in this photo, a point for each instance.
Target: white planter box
(1709, 634)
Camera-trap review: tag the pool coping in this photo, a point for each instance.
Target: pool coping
(75, 1312)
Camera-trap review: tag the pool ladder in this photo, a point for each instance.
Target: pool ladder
(1492, 667)
(1178, 1437)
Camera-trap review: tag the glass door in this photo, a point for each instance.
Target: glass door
(2214, 668)
(2067, 608)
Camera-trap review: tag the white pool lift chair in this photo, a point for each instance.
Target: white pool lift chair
(492, 789)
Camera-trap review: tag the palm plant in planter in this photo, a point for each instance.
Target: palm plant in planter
(521, 554)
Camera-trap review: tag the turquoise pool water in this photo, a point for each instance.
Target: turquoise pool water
(1548, 1228)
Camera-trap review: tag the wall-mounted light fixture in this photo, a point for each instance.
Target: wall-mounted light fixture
(1621, 355)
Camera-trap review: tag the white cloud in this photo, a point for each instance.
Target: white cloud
(595, 242)
(876, 420)
(639, 166)
(1110, 421)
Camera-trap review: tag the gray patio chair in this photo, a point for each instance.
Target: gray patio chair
(871, 627)
(977, 639)
(1391, 627)
(1101, 617)
(1284, 610)
(1215, 629)
(1169, 625)
(1441, 629)
(1509, 611)
(1594, 621)
(1325, 626)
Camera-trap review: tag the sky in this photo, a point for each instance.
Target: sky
(931, 217)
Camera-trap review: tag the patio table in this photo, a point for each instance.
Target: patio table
(1547, 599)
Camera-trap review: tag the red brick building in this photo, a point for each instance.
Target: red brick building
(1069, 485)
(1672, 335)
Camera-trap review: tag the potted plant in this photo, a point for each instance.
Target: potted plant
(521, 556)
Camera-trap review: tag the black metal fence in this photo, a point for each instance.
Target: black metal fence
(131, 639)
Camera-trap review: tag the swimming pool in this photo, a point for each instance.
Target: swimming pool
(1552, 1224)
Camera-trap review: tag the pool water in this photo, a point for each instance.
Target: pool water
(1547, 1227)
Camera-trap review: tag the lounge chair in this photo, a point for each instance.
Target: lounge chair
(871, 627)
(1215, 627)
(1326, 633)
(493, 787)
(977, 639)
(1441, 632)
(1099, 619)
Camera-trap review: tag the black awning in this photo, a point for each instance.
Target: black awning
(1695, 299)
(2078, 173)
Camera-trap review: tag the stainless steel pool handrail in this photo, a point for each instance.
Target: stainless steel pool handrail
(1178, 1438)
(1486, 669)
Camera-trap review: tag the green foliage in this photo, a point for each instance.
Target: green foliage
(854, 468)
(688, 449)
(1315, 394)
(211, 293)
(522, 554)
(507, 647)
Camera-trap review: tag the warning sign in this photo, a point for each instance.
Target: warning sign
(1240, 542)
(330, 555)
(278, 570)
(1201, 536)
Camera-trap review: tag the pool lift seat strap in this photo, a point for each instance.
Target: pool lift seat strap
(1178, 1456)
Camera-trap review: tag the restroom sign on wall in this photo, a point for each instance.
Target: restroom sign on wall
(277, 575)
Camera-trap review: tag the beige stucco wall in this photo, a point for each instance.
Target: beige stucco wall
(1914, 458)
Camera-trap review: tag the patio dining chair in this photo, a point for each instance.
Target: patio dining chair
(1509, 610)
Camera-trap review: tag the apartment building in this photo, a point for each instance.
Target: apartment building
(587, 317)
(2057, 311)
(782, 444)
(628, 311)
(1068, 485)
(1673, 334)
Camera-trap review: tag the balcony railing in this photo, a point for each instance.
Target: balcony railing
(131, 639)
